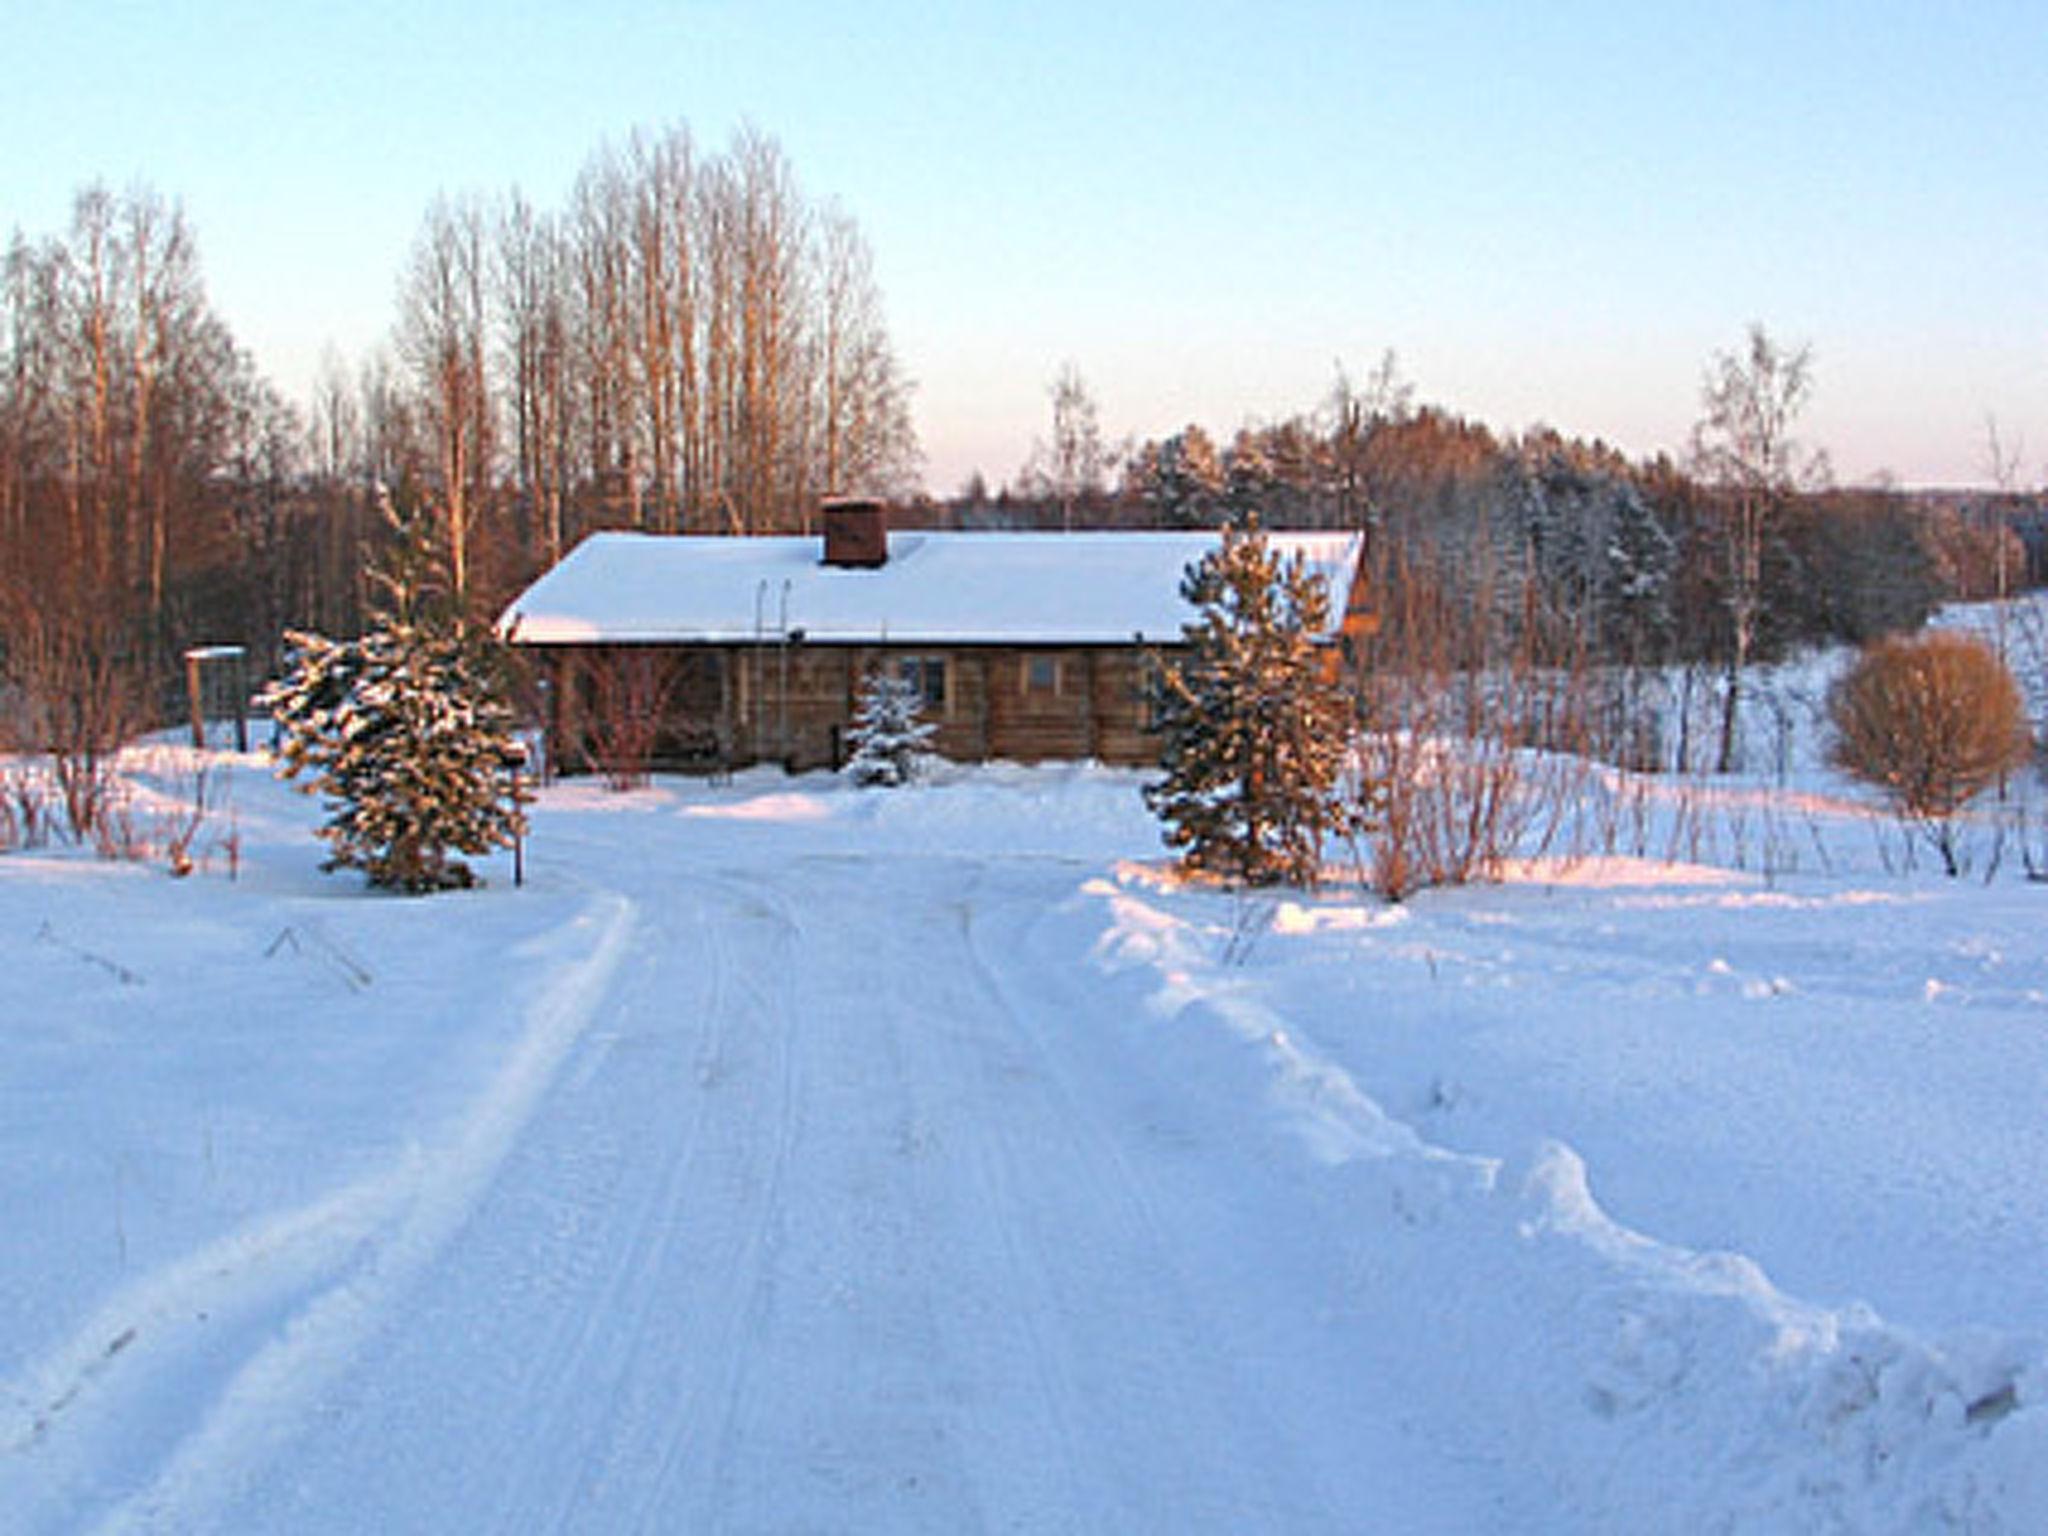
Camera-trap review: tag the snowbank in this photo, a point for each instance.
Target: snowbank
(1660, 1387)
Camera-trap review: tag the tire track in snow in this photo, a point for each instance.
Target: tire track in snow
(741, 1273)
(584, 1330)
(1162, 1379)
(321, 1276)
(1058, 1444)
(845, 1409)
(627, 1339)
(608, 1243)
(584, 1341)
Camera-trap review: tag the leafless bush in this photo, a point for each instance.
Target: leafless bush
(1932, 721)
(72, 696)
(119, 832)
(623, 702)
(179, 822)
(2019, 634)
(1474, 749)
(27, 805)
(181, 826)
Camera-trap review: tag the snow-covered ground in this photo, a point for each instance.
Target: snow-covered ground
(785, 1157)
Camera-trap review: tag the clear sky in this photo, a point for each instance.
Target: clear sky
(1551, 211)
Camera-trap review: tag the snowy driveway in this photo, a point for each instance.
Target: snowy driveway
(795, 1160)
(836, 1218)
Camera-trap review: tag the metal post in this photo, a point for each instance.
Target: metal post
(518, 833)
(240, 683)
(782, 680)
(513, 761)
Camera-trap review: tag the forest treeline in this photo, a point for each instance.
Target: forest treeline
(690, 342)
(1544, 536)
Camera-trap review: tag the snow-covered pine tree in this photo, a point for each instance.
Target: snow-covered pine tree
(888, 737)
(1256, 726)
(402, 731)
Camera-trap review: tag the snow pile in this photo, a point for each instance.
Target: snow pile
(1659, 1387)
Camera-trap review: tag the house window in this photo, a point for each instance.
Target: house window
(927, 674)
(1041, 674)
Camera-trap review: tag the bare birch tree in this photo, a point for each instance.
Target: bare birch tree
(1072, 466)
(1743, 447)
(691, 344)
(769, 221)
(533, 306)
(443, 337)
(863, 440)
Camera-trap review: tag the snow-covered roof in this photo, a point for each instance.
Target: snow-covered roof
(956, 588)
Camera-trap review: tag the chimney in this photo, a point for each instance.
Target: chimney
(856, 532)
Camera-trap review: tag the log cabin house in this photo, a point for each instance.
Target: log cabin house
(719, 652)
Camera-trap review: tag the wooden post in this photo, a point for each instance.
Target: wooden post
(196, 659)
(195, 699)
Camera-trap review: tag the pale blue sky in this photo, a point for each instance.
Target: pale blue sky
(1552, 212)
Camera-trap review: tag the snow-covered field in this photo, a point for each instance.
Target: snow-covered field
(788, 1158)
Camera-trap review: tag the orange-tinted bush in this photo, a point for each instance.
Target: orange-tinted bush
(1933, 721)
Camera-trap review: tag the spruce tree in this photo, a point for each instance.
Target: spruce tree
(888, 735)
(1256, 727)
(402, 730)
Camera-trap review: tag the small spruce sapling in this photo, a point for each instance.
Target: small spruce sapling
(403, 731)
(889, 736)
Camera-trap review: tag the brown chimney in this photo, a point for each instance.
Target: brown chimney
(856, 532)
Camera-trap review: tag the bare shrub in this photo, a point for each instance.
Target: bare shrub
(27, 805)
(73, 695)
(1477, 745)
(1932, 721)
(182, 824)
(178, 823)
(623, 702)
(1456, 798)
(2020, 635)
(173, 824)
(120, 831)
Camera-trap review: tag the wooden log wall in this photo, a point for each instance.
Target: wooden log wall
(795, 704)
